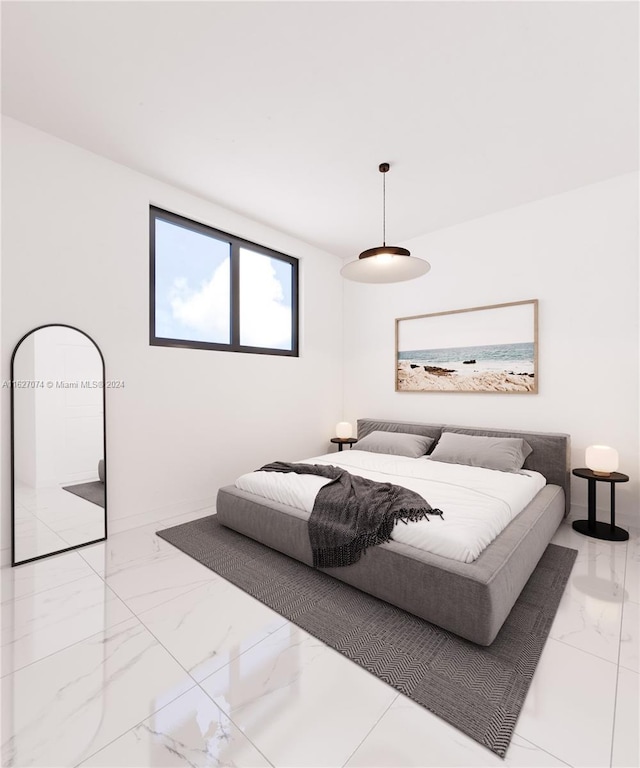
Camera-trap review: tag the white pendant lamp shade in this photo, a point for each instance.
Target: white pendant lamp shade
(385, 268)
(344, 430)
(601, 459)
(386, 263)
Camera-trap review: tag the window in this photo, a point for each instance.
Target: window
(212, 290)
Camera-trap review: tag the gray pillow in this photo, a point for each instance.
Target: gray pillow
(507, 454)
(395, 444)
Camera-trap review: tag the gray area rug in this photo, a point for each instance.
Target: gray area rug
(93, 491)
(479, 690)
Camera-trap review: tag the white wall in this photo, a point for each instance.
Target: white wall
(75, 251)
(577, 253)
(24, 409)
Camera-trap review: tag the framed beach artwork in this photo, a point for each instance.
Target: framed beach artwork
(482, 349)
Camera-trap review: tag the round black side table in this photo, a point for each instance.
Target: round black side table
(591, 527)
(342, 441)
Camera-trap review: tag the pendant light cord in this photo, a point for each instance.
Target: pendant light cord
(384, 210)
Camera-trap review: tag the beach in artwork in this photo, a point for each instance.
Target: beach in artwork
(484, 349)
(480, 368)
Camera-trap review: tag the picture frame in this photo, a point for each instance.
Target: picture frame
(491, 348)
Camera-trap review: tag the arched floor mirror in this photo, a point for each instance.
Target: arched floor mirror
(58, 443)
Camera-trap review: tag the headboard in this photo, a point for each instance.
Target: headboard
(550, 455)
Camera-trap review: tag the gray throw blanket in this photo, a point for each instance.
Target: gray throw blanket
(352, 513)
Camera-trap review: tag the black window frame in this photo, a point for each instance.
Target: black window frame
(235, 243)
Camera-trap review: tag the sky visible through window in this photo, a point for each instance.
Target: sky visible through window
(265, 301)
(192, 285)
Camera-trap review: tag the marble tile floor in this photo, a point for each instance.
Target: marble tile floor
(129, 653)
(51, 519)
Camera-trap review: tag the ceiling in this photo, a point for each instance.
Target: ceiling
(283, 111)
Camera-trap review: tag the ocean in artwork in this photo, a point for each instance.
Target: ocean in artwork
(508, 358)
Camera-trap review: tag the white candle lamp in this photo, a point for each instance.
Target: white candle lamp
(344, 430)
(601, 459)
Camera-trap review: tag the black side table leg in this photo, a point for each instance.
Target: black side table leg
(613, 508)
(591, 501)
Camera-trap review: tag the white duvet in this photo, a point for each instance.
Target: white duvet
(477, 503)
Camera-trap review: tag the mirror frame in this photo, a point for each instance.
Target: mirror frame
(15, 562)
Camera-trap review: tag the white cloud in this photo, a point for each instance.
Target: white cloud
(265, 321)
(206, 310)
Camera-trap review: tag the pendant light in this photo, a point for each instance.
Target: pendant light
(386, 263)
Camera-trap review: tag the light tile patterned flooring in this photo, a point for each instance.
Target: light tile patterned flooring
(129, 653)
(51, 519)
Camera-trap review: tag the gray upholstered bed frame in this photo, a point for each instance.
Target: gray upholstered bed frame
(470, 599)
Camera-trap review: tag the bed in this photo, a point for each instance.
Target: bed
(470, 599)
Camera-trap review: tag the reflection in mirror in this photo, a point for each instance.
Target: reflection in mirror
(58, 443)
